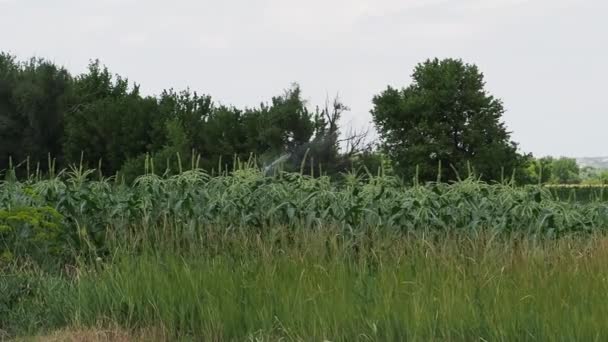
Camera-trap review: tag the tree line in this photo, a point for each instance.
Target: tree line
(443, 126)
(102, 121)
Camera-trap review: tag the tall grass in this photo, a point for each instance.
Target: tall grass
(322, 286)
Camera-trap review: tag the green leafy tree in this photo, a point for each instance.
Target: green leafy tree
(445, 117)
(565, 171)
(33, 98)
(192, 110)
(111, 122)
(537, 171)
(102, 119)
(10, 121)
(224, 138)
(284, 125)
(171, 159)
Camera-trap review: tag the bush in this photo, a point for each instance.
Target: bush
(31, 232)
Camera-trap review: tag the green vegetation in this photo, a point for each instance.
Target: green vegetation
(102, 121)
(176, 218)
(243, 255)
(32, 231)
(311, 285)
(580, 192)
(248, 198)
(594, 176)
(446, 118)
(561, 171)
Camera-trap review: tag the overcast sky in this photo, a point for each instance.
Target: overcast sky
(546, 59)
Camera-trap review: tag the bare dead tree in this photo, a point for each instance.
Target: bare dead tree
(355, 141)
(334, 114)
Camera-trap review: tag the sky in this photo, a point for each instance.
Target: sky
(546, 59)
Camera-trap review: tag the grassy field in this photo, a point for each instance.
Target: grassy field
(318, 285)
(245, 257)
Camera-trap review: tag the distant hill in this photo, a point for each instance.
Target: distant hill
(596, 162)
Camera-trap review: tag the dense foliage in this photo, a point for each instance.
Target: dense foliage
(443, 126)
(247, 199)
(102, 121)
(177, 218)
(445, 120)
(565, 171)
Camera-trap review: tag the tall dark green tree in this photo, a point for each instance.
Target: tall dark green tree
(287, 123)
(283, 126)
(445, 117)
(100, 117)
(33, 99)
(10, 120)
(110, 122)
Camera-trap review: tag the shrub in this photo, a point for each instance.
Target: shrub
(31, 232)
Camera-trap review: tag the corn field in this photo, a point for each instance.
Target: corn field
(248, 199)
(81, 211)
